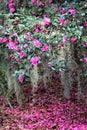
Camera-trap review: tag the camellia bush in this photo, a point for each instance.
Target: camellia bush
(38, 40)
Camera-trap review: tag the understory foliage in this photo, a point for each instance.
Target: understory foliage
(38, 40)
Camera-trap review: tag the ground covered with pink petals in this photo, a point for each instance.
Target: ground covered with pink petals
(51, 112)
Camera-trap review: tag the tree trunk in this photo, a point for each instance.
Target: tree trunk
(34, 81)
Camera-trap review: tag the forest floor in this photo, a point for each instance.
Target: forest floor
(51, 112)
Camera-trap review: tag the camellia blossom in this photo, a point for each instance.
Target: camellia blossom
(50, 1)
(34, 60)
(71, 11)
(64, 39)
(20, 78)
(10, 5)
(30, 38)
(40, 3)
(45, 47)
(46, 21)
(12, 10)
(55, 9)
(62, 10)
(85, 59)
(18, 59)
(72, 40)
(16, 22)
(59, 45)
(36, 43)
(49, 65)
(22, 54)
(33, 1)
(86, 44)
(5, 39)
(11, 44)
(62, 20)
(85, 24)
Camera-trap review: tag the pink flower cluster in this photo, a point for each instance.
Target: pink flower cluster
(22, 54)
(85, 60)
(72, 40)
(11, 5)
(12, 44)
(37, 43)
(20, 78)
(64, 39)
(62, 21)
(71, 11)
(33, 1)
(86, 44)
(85, 24)
(46, 21)
(3, 40)
(34, 60)
(40, 3)
(45, 47)
(62, 10)
(38, 27)
(15, 22)
(55, 9)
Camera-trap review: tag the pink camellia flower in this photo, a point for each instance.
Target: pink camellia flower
(62, 45)
(85, 24)
(59, 45)
(34, 61)
(26, 45)
(46, 21)
(11, 56)
(62, 10)
(72, 40)
(18, 59)
(5, 39)
(60, 70)
(33, 1)
(62, 20)
(49, 65)
(16, 22)
(20, 78)
(38, 25)
(85, 59)
(30, 38)
(45, 47)
(64, 39)
(27, 34)
(22, 54)
(16, 49)
(55, 9)
(11, 44)
(40, 3)
(12, 10)
(37, 30)
(50, 1)
(71, 11)
(37, 43)
(86, 44)
(10, 5)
